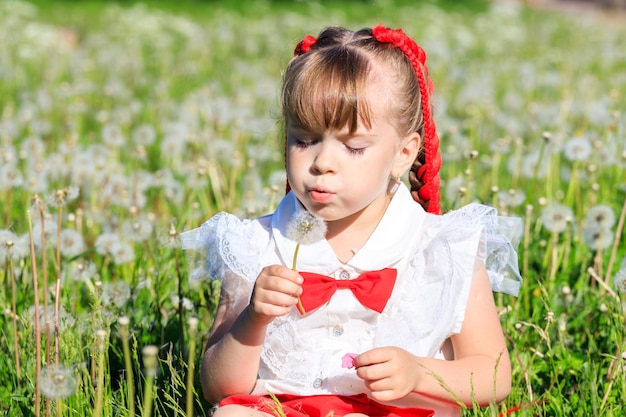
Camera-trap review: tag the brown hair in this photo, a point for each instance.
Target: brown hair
(325, 83)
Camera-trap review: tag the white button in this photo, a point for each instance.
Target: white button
(344, 275)
(317, 384)
(337, 330)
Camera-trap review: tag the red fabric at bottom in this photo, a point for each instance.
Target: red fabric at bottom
(324, 405)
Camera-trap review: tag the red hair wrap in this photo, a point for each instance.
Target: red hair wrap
(429, 172)
(304, 45)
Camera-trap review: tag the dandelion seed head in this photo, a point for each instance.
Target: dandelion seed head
(57, 381)
(112, 135)
(601, 215)
(577, 149)
(512, 197)
(306, 228)
(105, 243)
(80, 270)
(619, 280)
(46, 230)
(7, 243)
(137, 229)
(115, 293)
(71, 243)
(454, 188)
(10, 177)
(144, 135)
(555, 217)
(65, 319)
(61, 197)
(597, 237)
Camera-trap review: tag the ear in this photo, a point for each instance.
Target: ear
(408, 151)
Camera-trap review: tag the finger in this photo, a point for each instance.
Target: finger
(284, 272)
(278, 298)
(372, 357)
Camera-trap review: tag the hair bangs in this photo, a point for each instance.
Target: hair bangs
(327, 91)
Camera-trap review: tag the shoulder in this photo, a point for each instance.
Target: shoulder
(225, 241)
(479, 232)
(224, 227)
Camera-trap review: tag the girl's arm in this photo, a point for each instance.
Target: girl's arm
(231, 360)
(481, 369)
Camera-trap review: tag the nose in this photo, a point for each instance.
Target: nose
(324, 161)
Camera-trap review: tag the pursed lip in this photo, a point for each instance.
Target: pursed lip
(320, 194)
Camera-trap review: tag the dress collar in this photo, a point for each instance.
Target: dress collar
(400, 226)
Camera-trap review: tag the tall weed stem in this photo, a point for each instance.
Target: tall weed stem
(37, 328)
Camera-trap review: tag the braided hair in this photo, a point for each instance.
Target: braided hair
(324, 86)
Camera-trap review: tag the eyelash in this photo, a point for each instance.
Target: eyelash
(303, 144)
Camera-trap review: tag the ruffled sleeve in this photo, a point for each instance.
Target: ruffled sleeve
(227, 249)
(430, 300)
(498, 245)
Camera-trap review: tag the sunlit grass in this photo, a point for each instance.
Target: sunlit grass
(160, 116)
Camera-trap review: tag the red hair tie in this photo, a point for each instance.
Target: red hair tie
(429, 172)
(304, 45)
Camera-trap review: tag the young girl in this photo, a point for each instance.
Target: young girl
(390, 312)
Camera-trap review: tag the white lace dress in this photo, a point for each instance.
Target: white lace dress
(434, 256)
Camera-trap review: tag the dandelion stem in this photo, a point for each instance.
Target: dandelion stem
(130, 382)
(616, 241)
(150, 353)
(193, 327)
(293, 266)
(57, 300)
(100, 350)
(14, 315)
(37, 328)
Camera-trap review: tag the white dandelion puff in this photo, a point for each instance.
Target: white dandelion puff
(619, 280)
(112, 135)
(306, 228)
(455, 188)
(57, 381)
(46, 230)
(577, 149)
(512, 197)
(601, 215)
(106, 242)
(80, 270)
(122, 253)
(8, 240)
(115, 293)
(555, 217)
(61, 197)
(144, 135)
(597, 237)
(10, 177)
(138, 229)
(72, 243)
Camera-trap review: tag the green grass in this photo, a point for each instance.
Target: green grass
(204, 76)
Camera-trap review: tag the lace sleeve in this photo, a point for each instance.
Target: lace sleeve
(227, 249)
(498, 245)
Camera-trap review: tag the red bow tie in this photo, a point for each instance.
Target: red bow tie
(372, 289)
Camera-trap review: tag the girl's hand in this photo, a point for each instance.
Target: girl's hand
(390, 373)
(276, 290)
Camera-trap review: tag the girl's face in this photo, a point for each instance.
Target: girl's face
(342, 177)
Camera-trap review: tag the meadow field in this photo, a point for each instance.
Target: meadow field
(123, 124)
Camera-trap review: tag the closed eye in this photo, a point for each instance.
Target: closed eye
(354, 151)
(304, 142)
